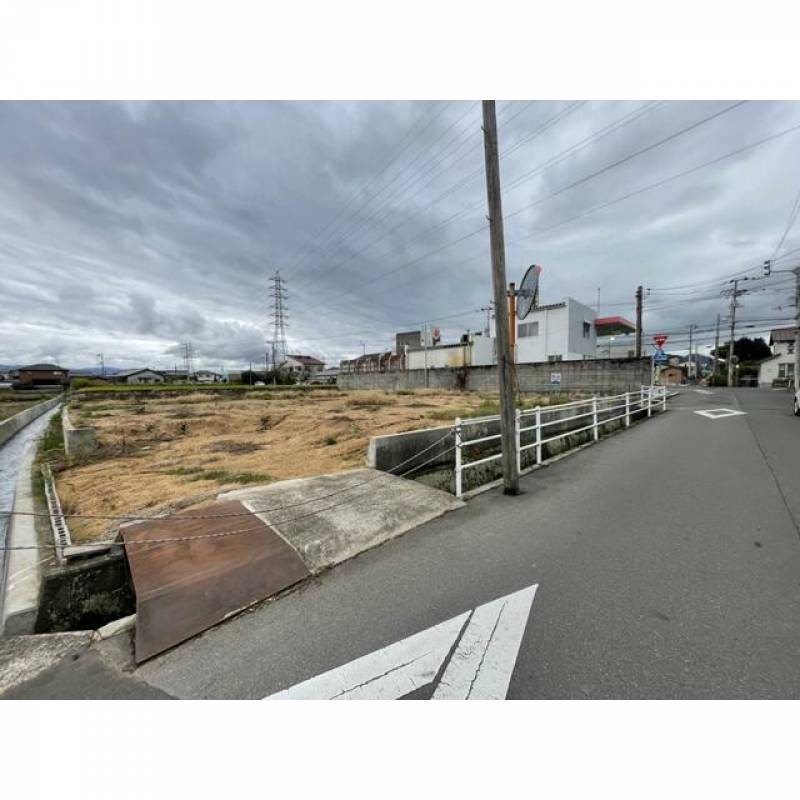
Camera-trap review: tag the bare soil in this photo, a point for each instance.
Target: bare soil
(162, 454)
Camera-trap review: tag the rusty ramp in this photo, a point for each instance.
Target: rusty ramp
(192, 570)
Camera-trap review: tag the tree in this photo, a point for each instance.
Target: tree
(748, 350)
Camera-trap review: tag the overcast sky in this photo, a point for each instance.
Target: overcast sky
(130, 228)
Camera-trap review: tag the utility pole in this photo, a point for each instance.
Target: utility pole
(488, 309)
(187, 358)
(692, 371)
(505, 366)
(424, 328)
(797, 328)
(796, 270)
(102, 360)
(638, 322)
(733, 331)
(716, 349)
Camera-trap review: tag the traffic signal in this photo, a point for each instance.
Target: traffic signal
(767, 268)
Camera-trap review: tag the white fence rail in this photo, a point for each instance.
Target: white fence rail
(597, 411)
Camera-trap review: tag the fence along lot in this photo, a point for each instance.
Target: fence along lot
(536, 428)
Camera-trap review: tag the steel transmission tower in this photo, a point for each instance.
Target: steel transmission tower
(279, 315)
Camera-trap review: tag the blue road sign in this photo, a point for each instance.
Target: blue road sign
(659, 356)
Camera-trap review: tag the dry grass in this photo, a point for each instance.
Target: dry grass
(164, 454)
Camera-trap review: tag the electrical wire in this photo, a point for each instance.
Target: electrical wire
(789, 224)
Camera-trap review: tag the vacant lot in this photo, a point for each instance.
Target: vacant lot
(159, 454)
(12, 401)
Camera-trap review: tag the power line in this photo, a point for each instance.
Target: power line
(663, 182)
(789, 224)
(383, 170)
(571, 185)
(629, 157)
(558, 158)
(441, 155)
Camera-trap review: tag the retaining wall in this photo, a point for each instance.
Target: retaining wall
(85, 595)
(77, 441)
(10, 426)
(606, 375)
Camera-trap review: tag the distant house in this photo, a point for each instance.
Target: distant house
(672, 375)
(207, 376)
(144, 375)
(175, 375)
(37, 375)
(302, 366)
(325, 376)
(779, 368)
(372, 362)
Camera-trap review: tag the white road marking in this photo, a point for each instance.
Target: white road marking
(720, 413)
(704, 391)
(484, 660)
(480, 669)
(384, 674)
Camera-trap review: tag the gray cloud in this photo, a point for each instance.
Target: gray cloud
(130, 228)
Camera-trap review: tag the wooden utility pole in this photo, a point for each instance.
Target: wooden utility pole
(638, 322)
(505, 364)
(733, 331)
(512, 319)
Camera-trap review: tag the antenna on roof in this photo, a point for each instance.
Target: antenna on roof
(528, 292)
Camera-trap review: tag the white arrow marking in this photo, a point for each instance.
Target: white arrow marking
(484, 660)
(480, 669)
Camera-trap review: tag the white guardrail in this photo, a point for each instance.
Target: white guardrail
(647, 400)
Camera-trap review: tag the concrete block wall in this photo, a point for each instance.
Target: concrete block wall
(10, 426)
(601, 376)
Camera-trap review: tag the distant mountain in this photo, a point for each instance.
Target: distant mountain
(93, 370)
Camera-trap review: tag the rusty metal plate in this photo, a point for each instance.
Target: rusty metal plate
(185, 587)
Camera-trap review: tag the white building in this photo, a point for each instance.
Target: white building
(558, 332)
(208, 376)
(562, 331)
(302, 366)
(780, 367)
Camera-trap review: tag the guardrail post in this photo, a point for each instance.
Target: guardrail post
(457, 441)
(627, 409)
(538, 418)
(650, 402)
(518, 439)
(595, 428)
(663, 398)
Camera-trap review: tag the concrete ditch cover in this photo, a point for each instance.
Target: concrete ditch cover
(206, 574)
(330, 518)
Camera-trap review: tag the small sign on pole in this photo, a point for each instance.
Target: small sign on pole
(659, 340)
(659, 357)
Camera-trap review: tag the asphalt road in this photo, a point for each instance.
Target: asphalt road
(667, 560)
